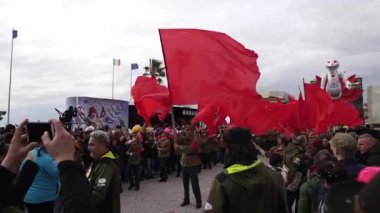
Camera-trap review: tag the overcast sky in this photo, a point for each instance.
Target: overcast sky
(65, 47)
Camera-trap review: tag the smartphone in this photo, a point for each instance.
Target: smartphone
(35, 130)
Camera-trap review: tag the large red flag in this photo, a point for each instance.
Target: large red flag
(323, 112)
(301, 120)
(318, 103)
(197, 57)
(150, 98)
(212, 116)
(345, 113)
(284, 115)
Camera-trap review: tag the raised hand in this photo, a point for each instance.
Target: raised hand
(18, 149)
(62, 147)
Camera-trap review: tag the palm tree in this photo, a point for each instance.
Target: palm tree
(155, 69)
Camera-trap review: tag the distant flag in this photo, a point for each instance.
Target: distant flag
(134, 66)
(116, 62)
(14, 34)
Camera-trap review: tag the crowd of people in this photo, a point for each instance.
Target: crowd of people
(83, 170)
(327, 172)
(109, 157)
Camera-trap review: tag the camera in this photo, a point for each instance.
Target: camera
(68, 115)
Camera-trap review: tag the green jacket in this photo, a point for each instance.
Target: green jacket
(308, 198)
(242, 188)
(134, 153)
(189, 156)
(104, 177)
(206, 145)
(293, 159)
(163, 148)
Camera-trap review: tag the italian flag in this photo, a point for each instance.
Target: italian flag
(116, 62)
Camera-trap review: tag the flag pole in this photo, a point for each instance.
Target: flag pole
(130, 88)
(170, 96)
(113, 74)
(299, 88)
(10, 80)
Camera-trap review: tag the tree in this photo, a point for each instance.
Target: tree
(155, 70)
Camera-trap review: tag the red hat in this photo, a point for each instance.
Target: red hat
(92, 110)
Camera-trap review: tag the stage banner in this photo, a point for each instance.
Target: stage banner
(99, 112)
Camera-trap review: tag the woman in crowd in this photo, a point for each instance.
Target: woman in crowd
(163, 153)
(308, 198)
(44, 190)
(331, 172)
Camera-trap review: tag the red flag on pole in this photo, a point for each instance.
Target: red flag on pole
(301, 122)
(318, 103)
(197, 57)
(345, 113)
(323, 112)
(212, 116)
(150, 98)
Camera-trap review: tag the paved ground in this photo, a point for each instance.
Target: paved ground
(166, 197)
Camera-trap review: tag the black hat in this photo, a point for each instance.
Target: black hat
(237, 136)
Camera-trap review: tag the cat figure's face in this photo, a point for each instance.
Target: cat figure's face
(332, 65)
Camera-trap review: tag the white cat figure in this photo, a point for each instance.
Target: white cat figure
(331, 80)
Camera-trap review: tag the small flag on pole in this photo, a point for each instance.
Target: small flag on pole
(14, 34)
(116, 62)
(134, 66)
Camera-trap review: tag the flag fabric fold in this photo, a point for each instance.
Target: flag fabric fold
(212, 116)
(301, 122)
(220, 75)
(212, 70)
(195, 57)
(344, 113)
(150, 98)
(323, 112)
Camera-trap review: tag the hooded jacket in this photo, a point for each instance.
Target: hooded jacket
(293, 159)
(245, 188)
(308, 197)
(104, 177)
